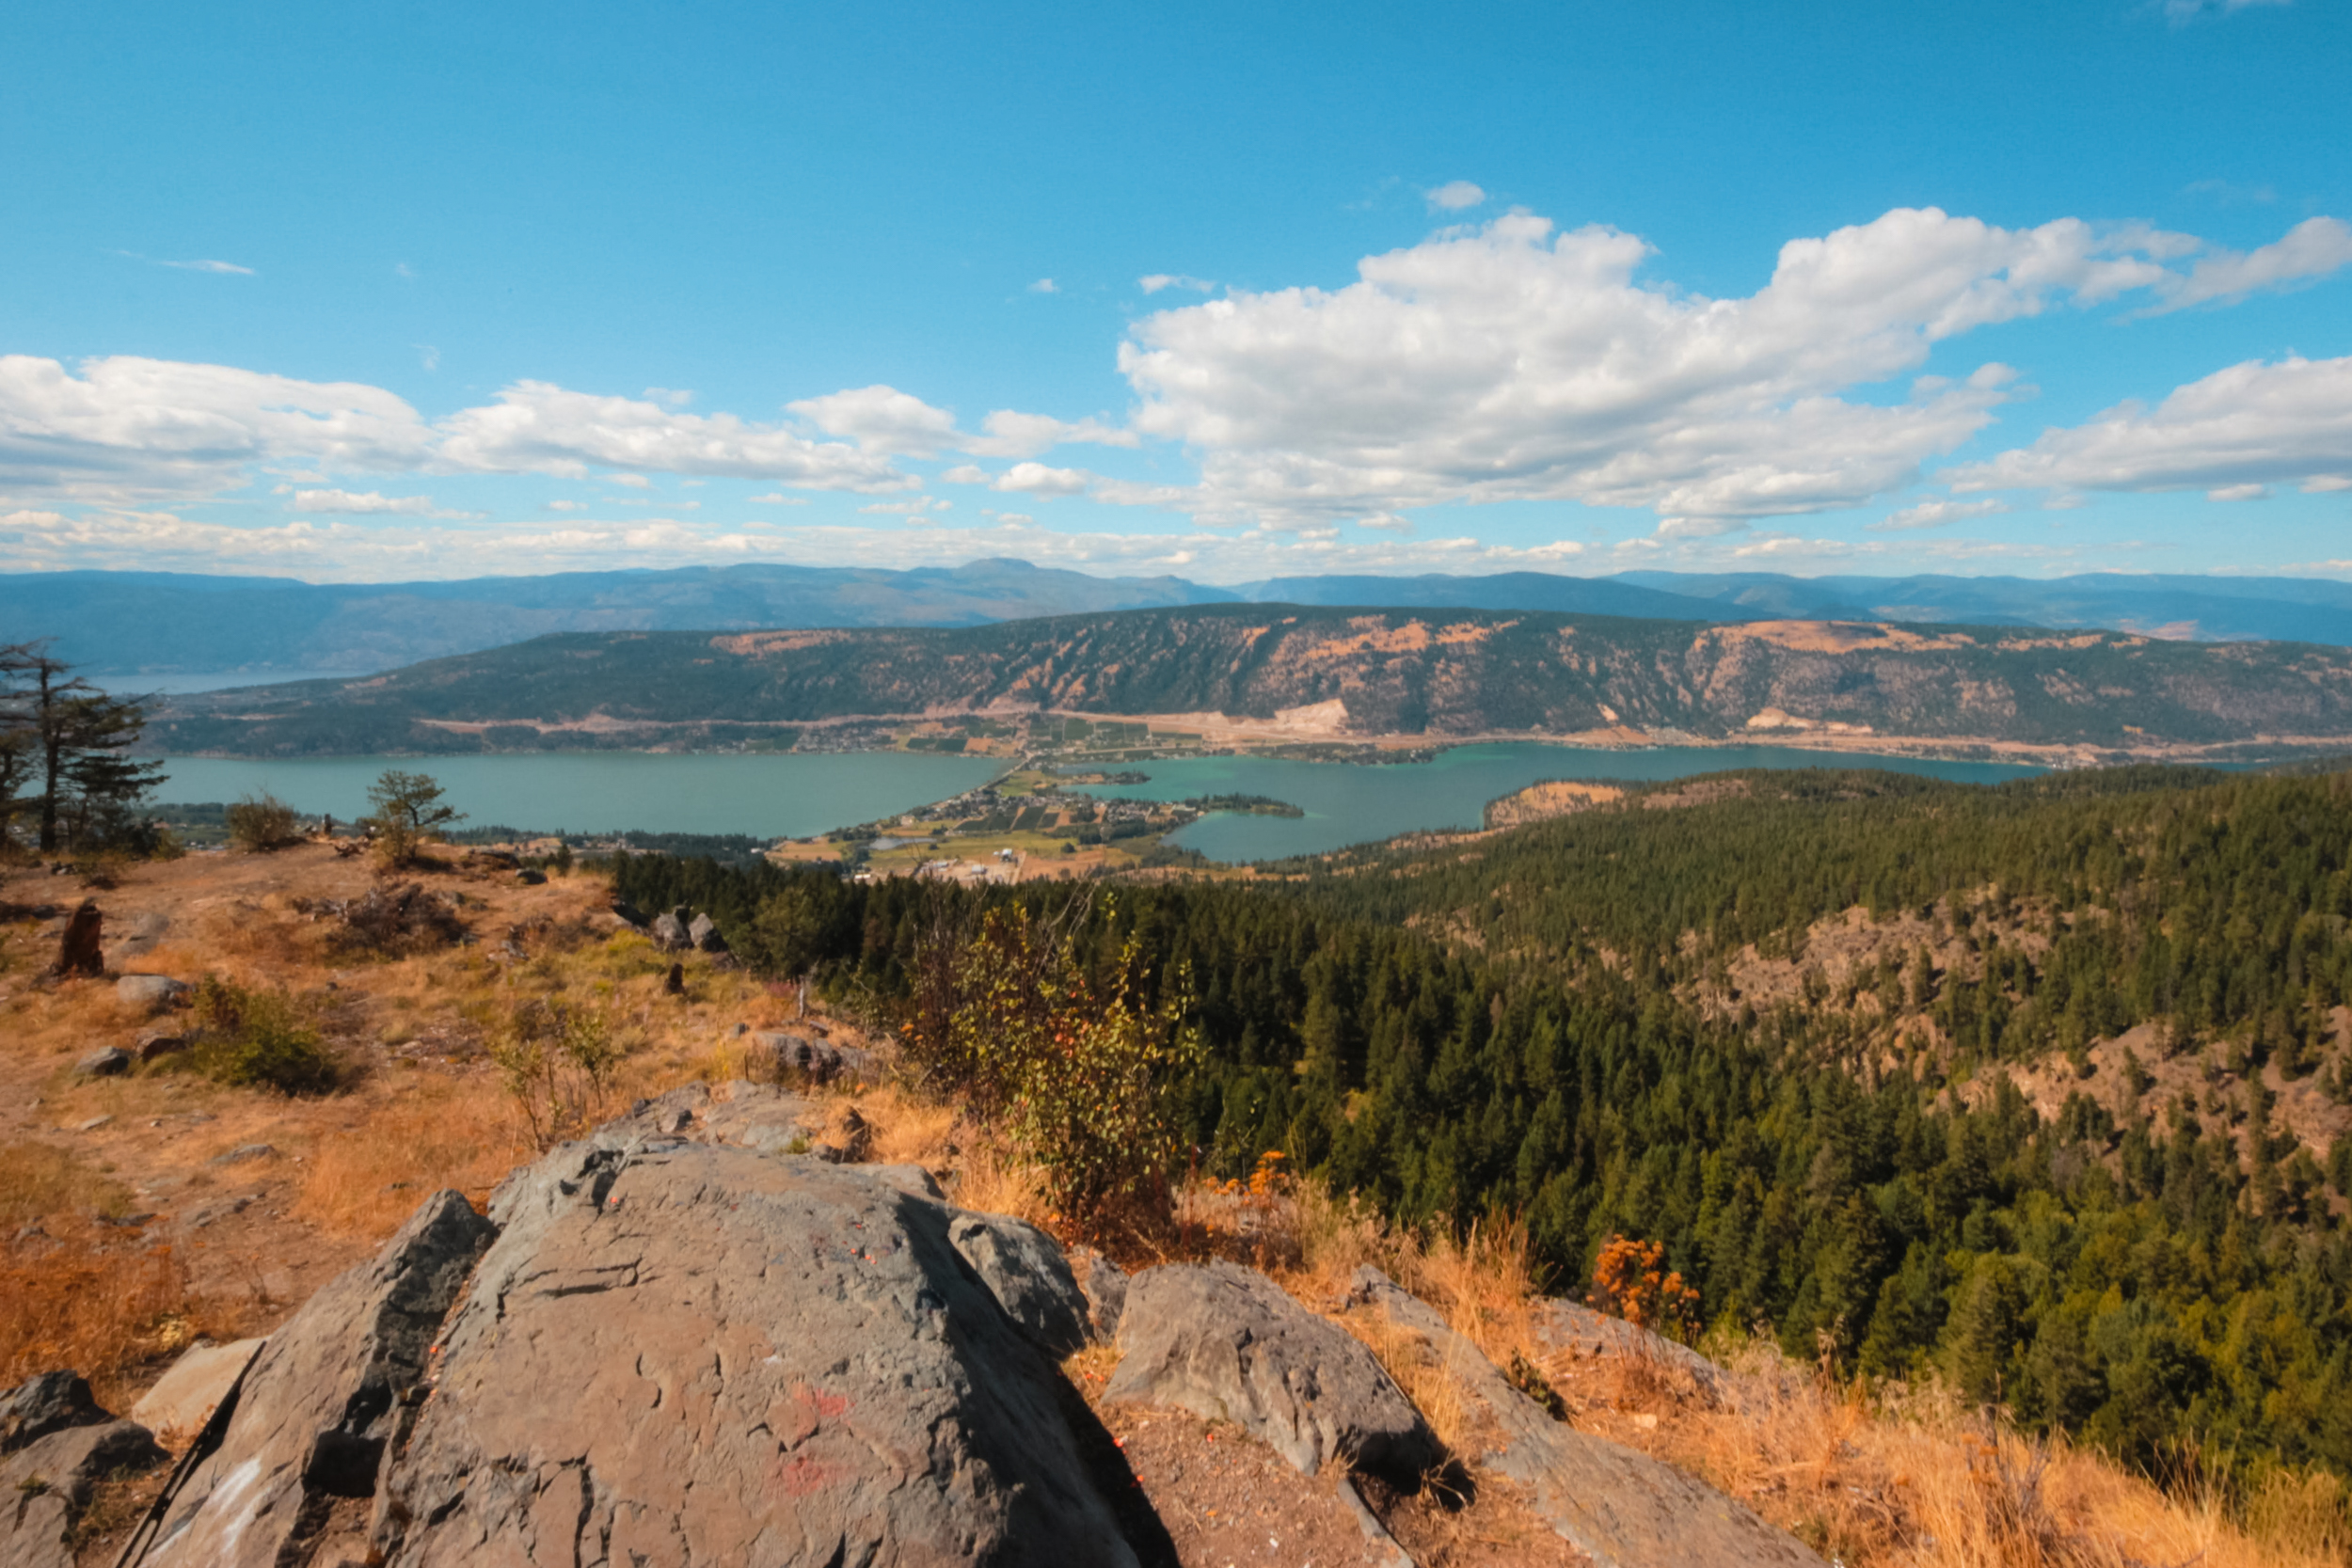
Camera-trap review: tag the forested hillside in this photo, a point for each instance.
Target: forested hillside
(1453, 673)
(1539, 1024)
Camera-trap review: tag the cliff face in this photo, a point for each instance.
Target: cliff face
(1437, 673)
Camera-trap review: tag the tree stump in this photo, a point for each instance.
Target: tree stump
(77, 945)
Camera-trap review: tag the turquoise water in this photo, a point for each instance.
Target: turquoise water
(1351, 805)
(591, 792)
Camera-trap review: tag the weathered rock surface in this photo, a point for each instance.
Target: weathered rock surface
(79, 951)
(688, 1355)
(106, 1062)
(1620, 1508)
(703, 933)
(322, 1399)
(58, 1444)
(155, 1044)
(1025, 1270)
(671, 930)
(1566, 1325)
(184, 1396)
(1105, 1286)
(778, 1053)
(1229, 1344)
(150, 994)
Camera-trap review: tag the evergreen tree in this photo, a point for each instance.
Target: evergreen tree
(72, 740)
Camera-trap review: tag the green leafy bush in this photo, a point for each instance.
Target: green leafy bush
(259, 1039)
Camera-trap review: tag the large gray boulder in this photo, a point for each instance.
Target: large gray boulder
(1227, 1343)
(56, 1445)
(672, 932)
(324, 1400)
(693, 1354)
(1025, 1270)
(703, 933)
(1620, 1508)
(150, 993)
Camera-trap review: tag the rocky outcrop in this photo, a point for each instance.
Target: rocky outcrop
(1025, 1270)
(1227, 1343)
(779, 1054)
(183, 1398)
(685, 1354)
(1620, 1508)
(56, 1445)
(150, 993)
(703, 933)
(324, 1400)
(674, 931)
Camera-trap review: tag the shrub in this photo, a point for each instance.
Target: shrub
(1632, 1281)
(1077, 1072)
(261, 822)
(558, 1063)
(259, 1039)
(409, 813)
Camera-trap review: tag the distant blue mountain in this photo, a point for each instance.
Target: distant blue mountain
(160, 623)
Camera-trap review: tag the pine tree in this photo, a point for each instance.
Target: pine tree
(60, 730)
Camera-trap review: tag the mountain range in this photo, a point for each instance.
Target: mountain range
(1324, 672)
(128, 623)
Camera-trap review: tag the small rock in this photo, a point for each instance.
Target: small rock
(111, 1062)
(149, 992)
(671, 930)
(51, 1403)
(156, 1044)
(627, 914)
(92, 1125)
(244, 1152)
(182, 1398)
(529, 878)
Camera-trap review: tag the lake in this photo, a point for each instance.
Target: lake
(1352, 804)
(594, 792)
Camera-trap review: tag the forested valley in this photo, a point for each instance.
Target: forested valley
(1786, 1025)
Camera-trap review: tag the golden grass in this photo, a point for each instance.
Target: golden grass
(105, 1310)
(438, 1134)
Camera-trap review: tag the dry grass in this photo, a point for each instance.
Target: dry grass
(105, 1309)
(436, 1136)
(1913, 1479)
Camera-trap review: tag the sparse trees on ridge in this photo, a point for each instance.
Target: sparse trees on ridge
(70, 742)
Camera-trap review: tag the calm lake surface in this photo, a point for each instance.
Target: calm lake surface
(794, 796)
(594, 792)
(1352, 804)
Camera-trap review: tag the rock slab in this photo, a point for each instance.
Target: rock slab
(691, 1354)
(184, 1396)
(323, 1401)
(1229, 1344)
(56, 1445)
(1620, 1508)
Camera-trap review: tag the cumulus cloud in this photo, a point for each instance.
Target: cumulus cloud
(1935, 513)
(1386, 522)
(777, 497)
(1014, 435)
(1044, 286)
(1508, 362)
(2311, 250)
(1153, 283)
(1036, 479)
(911, 507)
(538, 428)
(881, 419)
(570, 506)
(1454, 196)
(368, 502)
(2239, 493)
(2254, 424)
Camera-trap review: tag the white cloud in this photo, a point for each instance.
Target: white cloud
(633, 481)
(881, 419)
(228, 269)
(2325, 485)
(402, 269)
(777, 497)
(1036, 479)
(2311, 250)
(1153, 283)
(538, 428)
(2253, 423)
(429, 356)
(1015, 435)
(2239, 493)
(1386, 522)
(669, 397)
(368, 502)
(1454, 196)
(1935, 513)
(564, 506)
(968, 473)
(911, 507)
(129, 429)
(1505, 362)
(1044, 286)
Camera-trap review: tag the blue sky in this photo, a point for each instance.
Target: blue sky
(431, 291)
